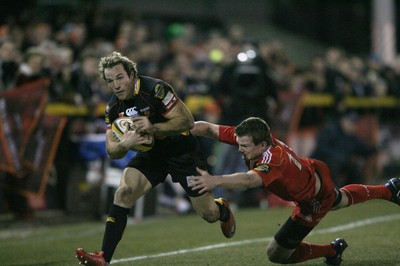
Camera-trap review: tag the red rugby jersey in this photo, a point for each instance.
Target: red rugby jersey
(283, 172)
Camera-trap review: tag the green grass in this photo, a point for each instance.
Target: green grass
(182, 240)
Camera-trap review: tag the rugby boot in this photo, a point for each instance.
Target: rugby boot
(339, 245)
(90, 259)
(393, 185)
(229, 227)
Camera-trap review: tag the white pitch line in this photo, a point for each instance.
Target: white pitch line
(334, 229)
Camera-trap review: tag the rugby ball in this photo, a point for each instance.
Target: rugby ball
(121, 124)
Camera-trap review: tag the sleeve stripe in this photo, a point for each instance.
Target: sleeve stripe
(267, 156)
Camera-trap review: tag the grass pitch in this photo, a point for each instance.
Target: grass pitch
(371, 230)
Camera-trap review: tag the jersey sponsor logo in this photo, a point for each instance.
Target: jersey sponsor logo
(132, 111)
(159, 91)
(171, 103)
(190, 179)
(262, 168)
(146, 111)
(168, 98)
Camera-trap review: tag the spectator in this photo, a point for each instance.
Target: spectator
(333, 56)
(8, 64)
(280, 67)
(341, 149)
(36, 34)
(32, 67)
(315, 79)
(59, 60)
(395, 84)
(85, 82)
(245, 90)
(74, 36)
(246, 87)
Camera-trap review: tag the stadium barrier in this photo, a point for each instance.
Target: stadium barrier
(28, 139)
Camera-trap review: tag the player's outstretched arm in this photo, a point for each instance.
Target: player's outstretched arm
(206, 182)
(205, 129)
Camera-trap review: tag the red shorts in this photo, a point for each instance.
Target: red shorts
(310, 213)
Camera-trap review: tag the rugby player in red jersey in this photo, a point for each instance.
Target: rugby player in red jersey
(304, 181)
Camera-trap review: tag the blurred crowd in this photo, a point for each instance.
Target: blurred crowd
(195, 60)
(221, 74)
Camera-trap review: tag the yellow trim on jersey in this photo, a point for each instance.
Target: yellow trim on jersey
(186, 133)
(137, 86)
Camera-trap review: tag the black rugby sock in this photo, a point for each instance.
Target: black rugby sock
(223, 212)
(115, 226)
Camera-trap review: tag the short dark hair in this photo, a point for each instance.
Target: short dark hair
(115, 59)
(256, 128)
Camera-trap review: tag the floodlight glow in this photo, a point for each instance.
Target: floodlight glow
(251, 54)
(242, 57)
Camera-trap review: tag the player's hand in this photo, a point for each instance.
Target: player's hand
(143, 124)
(204, 182)
(132, 138)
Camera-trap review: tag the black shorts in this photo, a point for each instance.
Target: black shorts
(178, 157)
(291, 234)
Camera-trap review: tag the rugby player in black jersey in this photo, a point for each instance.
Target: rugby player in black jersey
(155, 109)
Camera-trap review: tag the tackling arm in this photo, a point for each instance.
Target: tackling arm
(206, 182)
(205, 129)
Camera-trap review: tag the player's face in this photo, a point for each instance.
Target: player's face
(121, 84)
(248, 149)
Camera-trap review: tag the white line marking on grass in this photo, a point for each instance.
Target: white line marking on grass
(334, 229)
(360, 223)
(184, 251)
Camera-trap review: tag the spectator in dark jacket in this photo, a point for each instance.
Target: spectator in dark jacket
(340, 147)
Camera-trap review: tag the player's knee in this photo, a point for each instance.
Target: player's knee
(125, 196)
(277, 259)
(209, 215)
(275, 256)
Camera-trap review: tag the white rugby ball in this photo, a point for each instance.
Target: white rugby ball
(121, 124)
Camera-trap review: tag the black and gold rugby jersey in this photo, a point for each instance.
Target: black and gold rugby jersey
(153, 98)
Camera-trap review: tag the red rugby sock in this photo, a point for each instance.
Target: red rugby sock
(358, 193)
(307, 251)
